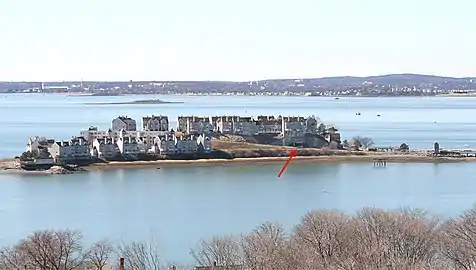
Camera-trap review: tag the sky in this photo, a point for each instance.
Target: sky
(56, 40)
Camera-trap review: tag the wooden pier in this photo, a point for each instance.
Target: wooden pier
(380, 162)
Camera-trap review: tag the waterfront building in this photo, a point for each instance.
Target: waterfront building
(127, 145)
(37, 143)
(155, 123)
(39, 159)
(332, 135)
(194, 124)
(204, 144)
(311, 125)
(105, 148)
(269, 124)
(93, 133)
(186, 144)
(71, 151)
(224, 124)
(246, 126)
(192, 136)
(164, 145)
(148, 136)
(124, 122)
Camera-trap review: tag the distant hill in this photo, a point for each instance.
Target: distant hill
(377, 85)
(399, 80)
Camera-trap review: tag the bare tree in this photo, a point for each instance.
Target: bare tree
(397, 239)
(268, 247)
(321, 240)
(223, 250)
(141, 256)
(98, 255)
(52, 250)
(360, 141)
(458, 240)
(12, 258)
(322, 128)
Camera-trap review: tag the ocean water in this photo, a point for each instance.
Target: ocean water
(178, 206)
(416, 121)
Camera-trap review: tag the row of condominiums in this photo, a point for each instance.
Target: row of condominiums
(239, 125)
(191, 136)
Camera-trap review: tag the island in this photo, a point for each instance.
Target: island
(146, 101)
(209, 140)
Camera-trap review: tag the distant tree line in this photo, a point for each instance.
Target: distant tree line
(371, 239)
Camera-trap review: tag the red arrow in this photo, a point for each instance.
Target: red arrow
(291, 155)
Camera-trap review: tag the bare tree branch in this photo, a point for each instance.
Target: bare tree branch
(98, 255)
(141, 256)
(222, 250)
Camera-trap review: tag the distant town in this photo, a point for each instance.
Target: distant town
(386, 85)
(124, 141)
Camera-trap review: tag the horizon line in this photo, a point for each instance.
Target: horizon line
(236, 81)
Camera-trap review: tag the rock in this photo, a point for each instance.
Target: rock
(229, 138)
(58, 170)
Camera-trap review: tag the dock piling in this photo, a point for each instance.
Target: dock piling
(380, 162)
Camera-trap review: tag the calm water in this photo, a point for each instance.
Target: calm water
(178, 206)
(62, 116)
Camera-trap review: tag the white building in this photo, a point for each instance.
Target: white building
(224, 124)
(105, 148)
(186, 145)
(293, 126)
(269, 125)
(76, 149)
(93, 133)
(148, 137)
(311, 125)
(194, 124)
(128, 145)
(37, 143)
(124, 122)
(155, 123)
(204, 143)
(245, 126)
(164, 145)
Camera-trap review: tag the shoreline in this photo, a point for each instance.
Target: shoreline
(298, 159)
(72, 94)
(332, 159)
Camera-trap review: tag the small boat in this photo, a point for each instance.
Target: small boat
(158, 168)
(378, 115)
(336, 98)
(357, 113)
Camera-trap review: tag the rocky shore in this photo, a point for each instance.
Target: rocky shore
(13, 166)
(235, 151)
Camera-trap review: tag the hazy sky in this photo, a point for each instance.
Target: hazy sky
(234, 40)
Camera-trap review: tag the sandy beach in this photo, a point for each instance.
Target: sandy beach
(11, 165)
(299, 159)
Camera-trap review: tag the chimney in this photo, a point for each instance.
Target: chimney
(121, 263)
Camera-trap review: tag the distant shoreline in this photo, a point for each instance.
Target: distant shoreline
(279, 94)
(334, 159)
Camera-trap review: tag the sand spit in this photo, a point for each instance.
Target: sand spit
(12, 166)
